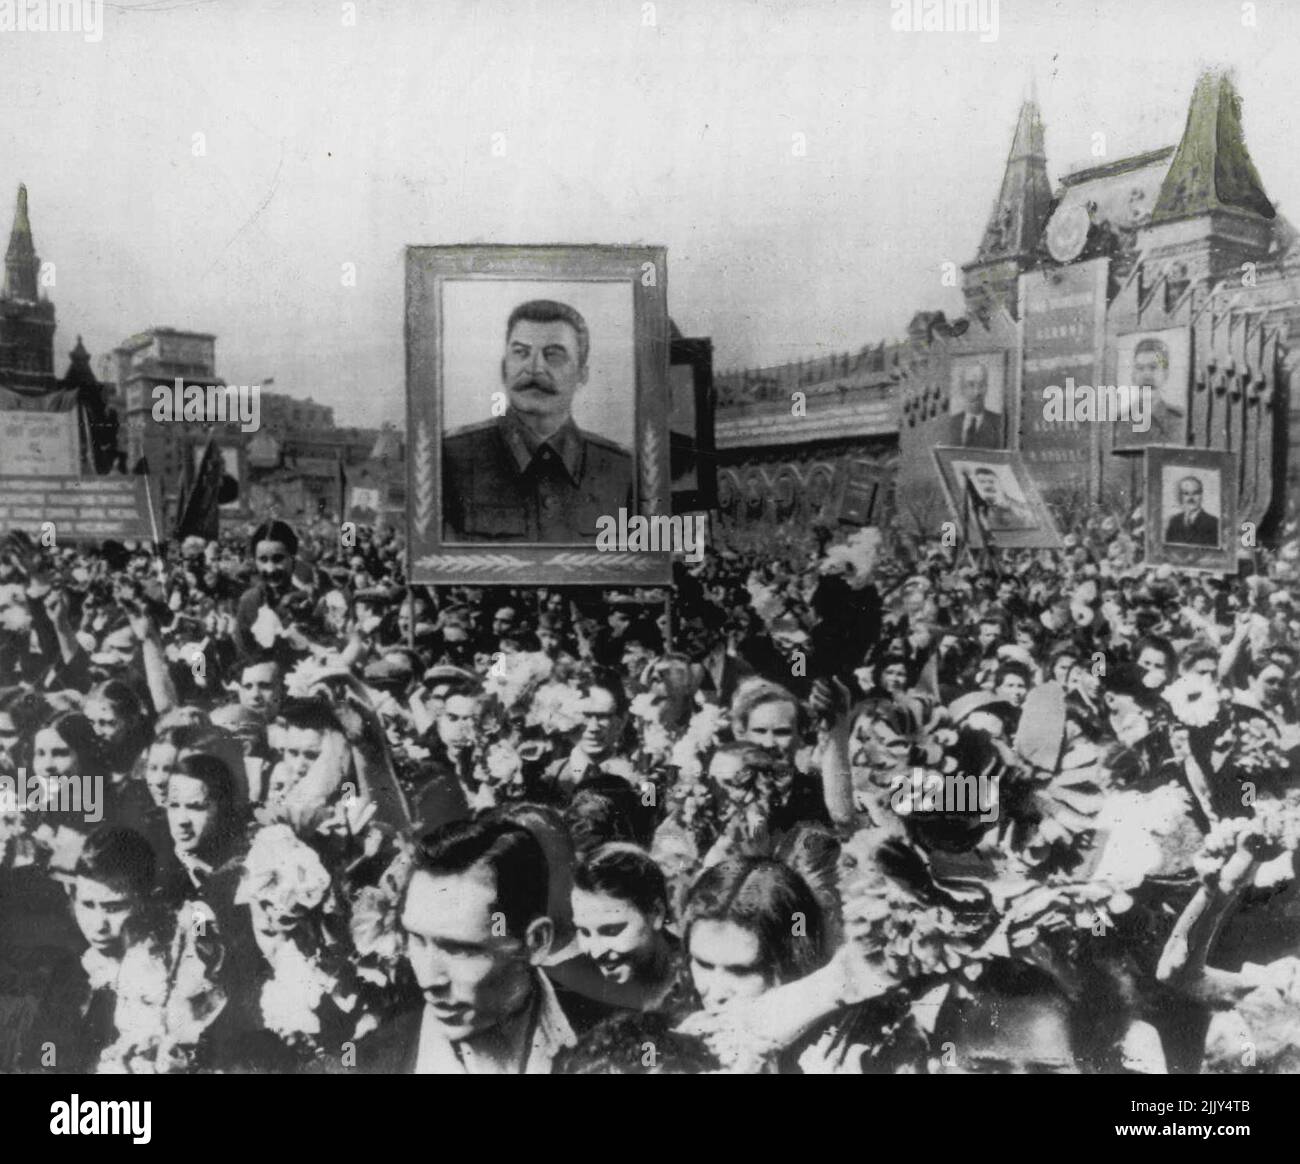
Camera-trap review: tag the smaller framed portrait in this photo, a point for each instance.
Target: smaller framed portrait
(1191, 508)
(1156, 364)
(694, 455)
(976, 402)
(994, 501)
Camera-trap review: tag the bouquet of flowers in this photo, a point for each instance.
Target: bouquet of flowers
(290, 889)
(899, 918)
(377, 938)
(167, 998)
(853, 559)
(514, 677)
(702, 735)
(556, 709)
(1255, 750)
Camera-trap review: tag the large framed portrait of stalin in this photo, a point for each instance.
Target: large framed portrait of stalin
(537, 406)
(1191, 508)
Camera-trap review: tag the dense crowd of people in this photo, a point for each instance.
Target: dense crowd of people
(863, 805)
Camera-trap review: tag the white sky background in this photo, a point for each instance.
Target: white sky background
(328, 145)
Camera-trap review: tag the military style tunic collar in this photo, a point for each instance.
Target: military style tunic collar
(564, 446)
(500, 484)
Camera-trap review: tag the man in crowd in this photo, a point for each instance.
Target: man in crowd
(477, 935)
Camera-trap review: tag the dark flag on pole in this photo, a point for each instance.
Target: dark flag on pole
(974, 522)
(343, 491)
(199, 513)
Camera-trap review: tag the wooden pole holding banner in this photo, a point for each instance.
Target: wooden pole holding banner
(89, 451)
(153, 517)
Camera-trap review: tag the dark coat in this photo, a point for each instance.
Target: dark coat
(987, 434)
(497, 490)
(394, 1048)
(1202, 530)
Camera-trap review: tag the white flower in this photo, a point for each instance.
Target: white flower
(142, 988)
(655, 739)
(291, 996)
(512, 677)
(1134, 825)
(283, 870)
(503, 762)
(556, 708)
(1194, 699)
(767, 603)
(267, 627)
(854, 558)
(299, 683)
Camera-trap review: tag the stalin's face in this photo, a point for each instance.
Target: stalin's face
(541, 369)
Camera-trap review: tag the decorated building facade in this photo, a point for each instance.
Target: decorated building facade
(1172, 266)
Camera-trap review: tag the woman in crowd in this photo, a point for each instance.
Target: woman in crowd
(205, 825)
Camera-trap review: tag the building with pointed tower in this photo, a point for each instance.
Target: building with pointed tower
(1011, 238)
(26, 316)
(1176, 255)
(27, 378)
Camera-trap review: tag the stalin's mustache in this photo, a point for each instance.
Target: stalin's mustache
(536, 383)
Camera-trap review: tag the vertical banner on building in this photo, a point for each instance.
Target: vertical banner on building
(1062, 338)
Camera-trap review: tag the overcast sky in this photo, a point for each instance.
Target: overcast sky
(328, 144)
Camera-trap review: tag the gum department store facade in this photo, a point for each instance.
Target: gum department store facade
(1169, 231)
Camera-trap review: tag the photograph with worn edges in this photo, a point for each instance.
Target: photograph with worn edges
(671, 537)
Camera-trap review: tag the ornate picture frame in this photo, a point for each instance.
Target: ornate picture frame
(634, 411)
(1009, 515)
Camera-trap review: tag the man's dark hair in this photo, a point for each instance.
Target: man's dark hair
(274, 531)
(27, 708)
(1194, 653)
(644, 632)
(1156, 643)
(1128, 679)
(514, 855)
(1263, 663)
(1013, 667)
(469, 688)
(609, 680)
(312, 714)
(607, 808)
(119, 857)
(261, 661)
(637, 1043)
(552, 311)
(626, 872)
